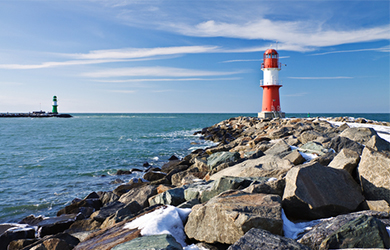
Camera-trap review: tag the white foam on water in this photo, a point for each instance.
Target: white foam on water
(165, 220)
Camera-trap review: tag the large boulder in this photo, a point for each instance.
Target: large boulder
(362, 232)
(229, 216)
(86, 207)
(359, 134)
(280, 148)
(339, 142)
(374, 172)
(229, 183)
(309, 135)
(113, 235)
(325, 229)
(266, 166)
(295, 157)
(313, 191)
(222, 157)
(139, 194)
(174, 196)
(195, 190)
(161, 242)
(107, 211)
(261, 239)
(314, 148)
(281, 132)
(60, 241)
(346, 159)
(11, 232)
(378, 144)
(57, 224)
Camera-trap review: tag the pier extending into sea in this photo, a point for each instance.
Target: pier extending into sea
(35, 114)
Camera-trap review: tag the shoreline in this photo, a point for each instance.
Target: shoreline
(244, 140)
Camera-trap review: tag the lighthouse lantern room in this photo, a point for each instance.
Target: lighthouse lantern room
(270, 84)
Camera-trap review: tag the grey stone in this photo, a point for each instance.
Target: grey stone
(324, 159)
(153, 175)
(314, 148)
(324, 229)
(56, 224)
(295, 157)
(378, 144)
(338, 143)
(308, 136)
(346, 159)
(266, 166)
(281, 132)
(359, 134)
(195, 190)
(174, 196)
(60, 241)
(83, 225)
(267, 187)
(229, 183)
(152, 242)
(374, 172)
(222, 157)
(254, 154)
(15, 232)
(362, 232)
(107, 197)
(107, 211)
(280, 148)
(19, 244)
(189, 204)
(229, 216)
(314, 191)
(262, 239)
(127, 211)
(139, 194)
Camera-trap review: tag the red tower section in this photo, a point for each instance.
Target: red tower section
(270, 84)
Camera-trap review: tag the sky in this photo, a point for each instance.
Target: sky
(203, 56)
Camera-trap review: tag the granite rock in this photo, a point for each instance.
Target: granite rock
(313, 191)
(227, 217)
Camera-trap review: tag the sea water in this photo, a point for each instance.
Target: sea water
(45, 163)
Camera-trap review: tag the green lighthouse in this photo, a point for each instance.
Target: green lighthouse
(55, 111)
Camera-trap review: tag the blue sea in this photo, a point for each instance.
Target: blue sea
(47, 162)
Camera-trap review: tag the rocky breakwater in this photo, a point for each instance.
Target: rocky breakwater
(259, 188)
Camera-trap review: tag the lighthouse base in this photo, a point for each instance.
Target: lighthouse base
(271, 115)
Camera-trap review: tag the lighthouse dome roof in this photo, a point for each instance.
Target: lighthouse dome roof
(270, 51)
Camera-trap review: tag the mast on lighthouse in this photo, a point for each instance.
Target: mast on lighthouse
(55, 111)
(270, 84)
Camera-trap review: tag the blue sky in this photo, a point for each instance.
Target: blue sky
(193, 56)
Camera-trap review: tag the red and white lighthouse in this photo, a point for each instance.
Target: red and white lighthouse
(270, 84)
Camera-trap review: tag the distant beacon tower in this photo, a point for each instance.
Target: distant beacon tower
(270, 84)
(55, 111)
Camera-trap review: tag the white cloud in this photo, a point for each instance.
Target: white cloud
(385, 49)
(171, 79)
(303, 35)
(127, 53)
(320, 77)
(55, 64)
(156, 71)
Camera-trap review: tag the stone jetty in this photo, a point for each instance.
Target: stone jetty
(257, 188)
